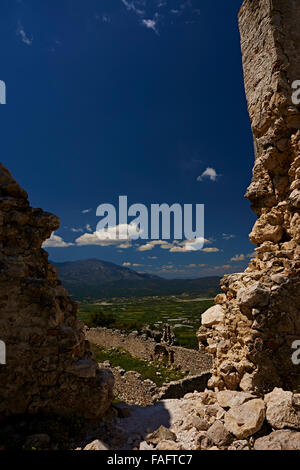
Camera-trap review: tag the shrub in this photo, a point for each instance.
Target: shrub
(126, 325)
(100, 319)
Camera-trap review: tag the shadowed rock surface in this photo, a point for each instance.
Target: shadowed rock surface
(251, 330)
(49, 367)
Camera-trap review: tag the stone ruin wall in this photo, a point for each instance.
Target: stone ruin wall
(137, 345)
(49, 366)
(251, 329)
(131, 388)
(148, 349)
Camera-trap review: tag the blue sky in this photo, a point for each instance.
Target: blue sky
(136, 98)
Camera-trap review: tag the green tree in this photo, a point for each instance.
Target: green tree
(100, 319)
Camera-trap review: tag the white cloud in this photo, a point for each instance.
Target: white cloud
(109, 236)
(208, 173)
(218, 269)
(126, 264)
(195, 244)
(227, 236)
(125, 245)
(168, 267)
(131, 6)
(146, 247)
(240, 257)
(211, 250)
(79, 229)
(55, 241)
(224, 266)
(178, 249)
(86, 211)
(24, 37)
(134, 6)
(150, 24)
(92, 239)
(159, 242)
(120, 232)
(151, 244)
(164, 13)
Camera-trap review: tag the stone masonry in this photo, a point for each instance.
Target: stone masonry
(251, 329)
(139, 345)
(49, 367)
(131, 388)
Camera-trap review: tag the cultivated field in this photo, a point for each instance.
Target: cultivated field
(183, 313)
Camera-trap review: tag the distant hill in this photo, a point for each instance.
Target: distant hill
(96, 279)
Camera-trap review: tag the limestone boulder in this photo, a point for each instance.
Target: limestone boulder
(213, 316)
(145, 446)
(219, 435)
(283, 410)
(197, 423)
(245, 420)
(279, 440)
(203, 442)
(295, 198)
(96, 445)
(168, 445)
(210, 413)
(255, 296)
(161, 434)
(265, 232)
(230, 398)
(239, 445)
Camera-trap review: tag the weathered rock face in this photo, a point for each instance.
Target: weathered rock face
(49, 366)
(251, 346)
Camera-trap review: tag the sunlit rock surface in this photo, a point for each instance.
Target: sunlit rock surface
(251, 347)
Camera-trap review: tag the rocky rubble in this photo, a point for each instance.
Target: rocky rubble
(49, 366)
(251, 329)
(226, 420)
(239, 422)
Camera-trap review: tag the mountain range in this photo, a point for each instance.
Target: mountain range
(96, 279)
